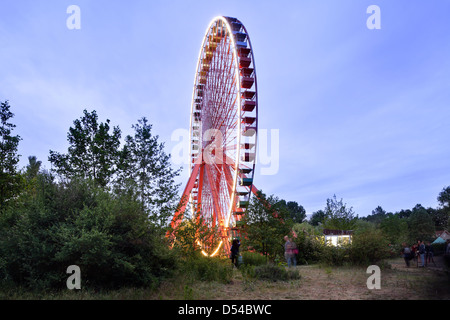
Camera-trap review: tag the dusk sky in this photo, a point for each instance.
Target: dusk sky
(361, 113)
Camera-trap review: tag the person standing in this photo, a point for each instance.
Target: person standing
(422, 253)
(235, 251)
(407, 253)
(429, 254)
(289, 255)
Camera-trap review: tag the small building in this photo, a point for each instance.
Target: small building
(443, 234)
(337, 237)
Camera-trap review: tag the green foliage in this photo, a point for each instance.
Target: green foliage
(295, 211)
(146, 171)
(206, 269)
(11, 182)
(266, 223)
(369, 247)
(193, 233)
(444, 197)
(377, 216)
(338, 216)
(76, 223)
(253, 258)
(395, 229)
(335, 256)
(272, 272)
(309, 242)
(317, 218)
(93, 151)
(420, 225)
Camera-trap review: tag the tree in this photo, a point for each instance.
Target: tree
(33, 167)
(317, 217)
(75, 223)
(146, 169)
(10, 179)
(93, 151)
(404, 213)
(377, 216)
(439, 216)
(337, 216)
(442, 218)
(395, 229)
(444, 197)
(420, 224)
(296, 212)
(266, 225)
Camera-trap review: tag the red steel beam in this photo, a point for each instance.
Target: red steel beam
(184, 198)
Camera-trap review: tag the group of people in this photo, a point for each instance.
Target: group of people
(420, 252)
(290, 252)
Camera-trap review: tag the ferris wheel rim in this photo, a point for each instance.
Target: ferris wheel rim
(238, 85)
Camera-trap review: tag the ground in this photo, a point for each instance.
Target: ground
(316, 283)
(324, 283)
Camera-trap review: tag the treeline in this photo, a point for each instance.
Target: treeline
(103, 206)
(407, 225)
(374, 238)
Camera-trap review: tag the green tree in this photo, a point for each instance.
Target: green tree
(296, 212)
(377, 216)
(75, 222)
(93, 152)
(420, 224)
(146, 169)
(442, 219)
(317, 218)
(338, 216)
(444, 197)
(395, 229)
(33, 167)
(404, 213)
(10, 179)
(439, 216)
(266, 223)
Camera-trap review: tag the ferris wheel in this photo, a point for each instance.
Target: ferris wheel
(223, 132)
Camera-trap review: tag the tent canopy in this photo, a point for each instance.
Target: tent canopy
(439, 240)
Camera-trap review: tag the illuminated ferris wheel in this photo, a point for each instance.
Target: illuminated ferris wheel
(223, 132)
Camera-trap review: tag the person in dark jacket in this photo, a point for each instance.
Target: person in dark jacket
(429, 254)
(235, 251)
(407, 254)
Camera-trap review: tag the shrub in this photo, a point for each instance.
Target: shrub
(206, 269)
(369, 247)
(253, 258)
(108, 237)
(273, 272)
(310, 247)
(335, 256)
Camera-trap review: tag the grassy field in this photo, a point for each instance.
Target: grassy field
(316, 283)
(323, 283)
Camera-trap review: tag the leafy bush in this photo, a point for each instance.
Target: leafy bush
(335, 256)
(310, 247)
(109, 237)
(273, 272)
(253, 258)
(369, 247)
(207, 269)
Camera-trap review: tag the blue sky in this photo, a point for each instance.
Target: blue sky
(361, 113)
